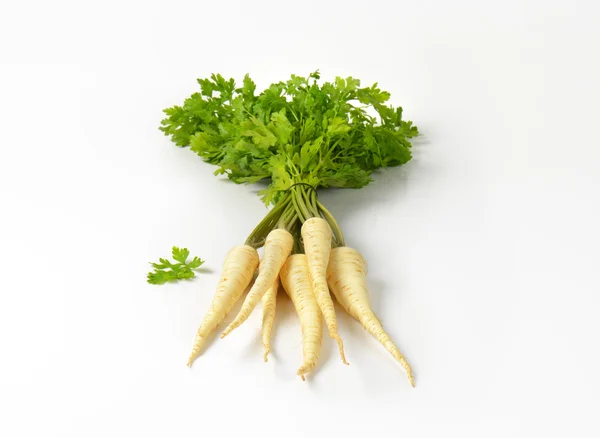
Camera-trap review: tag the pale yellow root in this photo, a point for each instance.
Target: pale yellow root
(295, 280)
(269, 303)
(238, 269)
(278, 245)
(316, 235)
(346, 276)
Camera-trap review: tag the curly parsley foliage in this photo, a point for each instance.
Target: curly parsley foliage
(293, 131)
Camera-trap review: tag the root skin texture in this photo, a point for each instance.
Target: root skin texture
(346, 276)
(295, 280)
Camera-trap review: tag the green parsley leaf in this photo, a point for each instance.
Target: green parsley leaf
(165, 271)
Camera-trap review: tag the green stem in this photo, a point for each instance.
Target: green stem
(306, 199)
(292, 222)
(286, 220)
(258, 235)
(313, 201)
(301, 197)
(292, 218)
(300, 210)
(327, 155)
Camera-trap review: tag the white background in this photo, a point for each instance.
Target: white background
(483, 250)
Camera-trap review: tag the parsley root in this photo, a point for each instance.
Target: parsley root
(278, 247)
(295, 280)
(346, 275)
(238, 270)
(269, 304)
(317, 235)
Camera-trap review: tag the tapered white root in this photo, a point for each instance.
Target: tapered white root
(346, 276)
(269, 304)
(238, 269)
(317, 235)
(294, 277)
(278, 246)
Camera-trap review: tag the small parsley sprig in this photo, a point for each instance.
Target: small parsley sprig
(165, 271)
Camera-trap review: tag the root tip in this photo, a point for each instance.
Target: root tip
(192, 358)
(304, 369)
(228, 330)
(338, 339)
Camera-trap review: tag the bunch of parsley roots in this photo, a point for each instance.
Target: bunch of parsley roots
(298, 136)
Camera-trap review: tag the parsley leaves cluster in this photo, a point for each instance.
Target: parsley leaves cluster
(330, 135)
